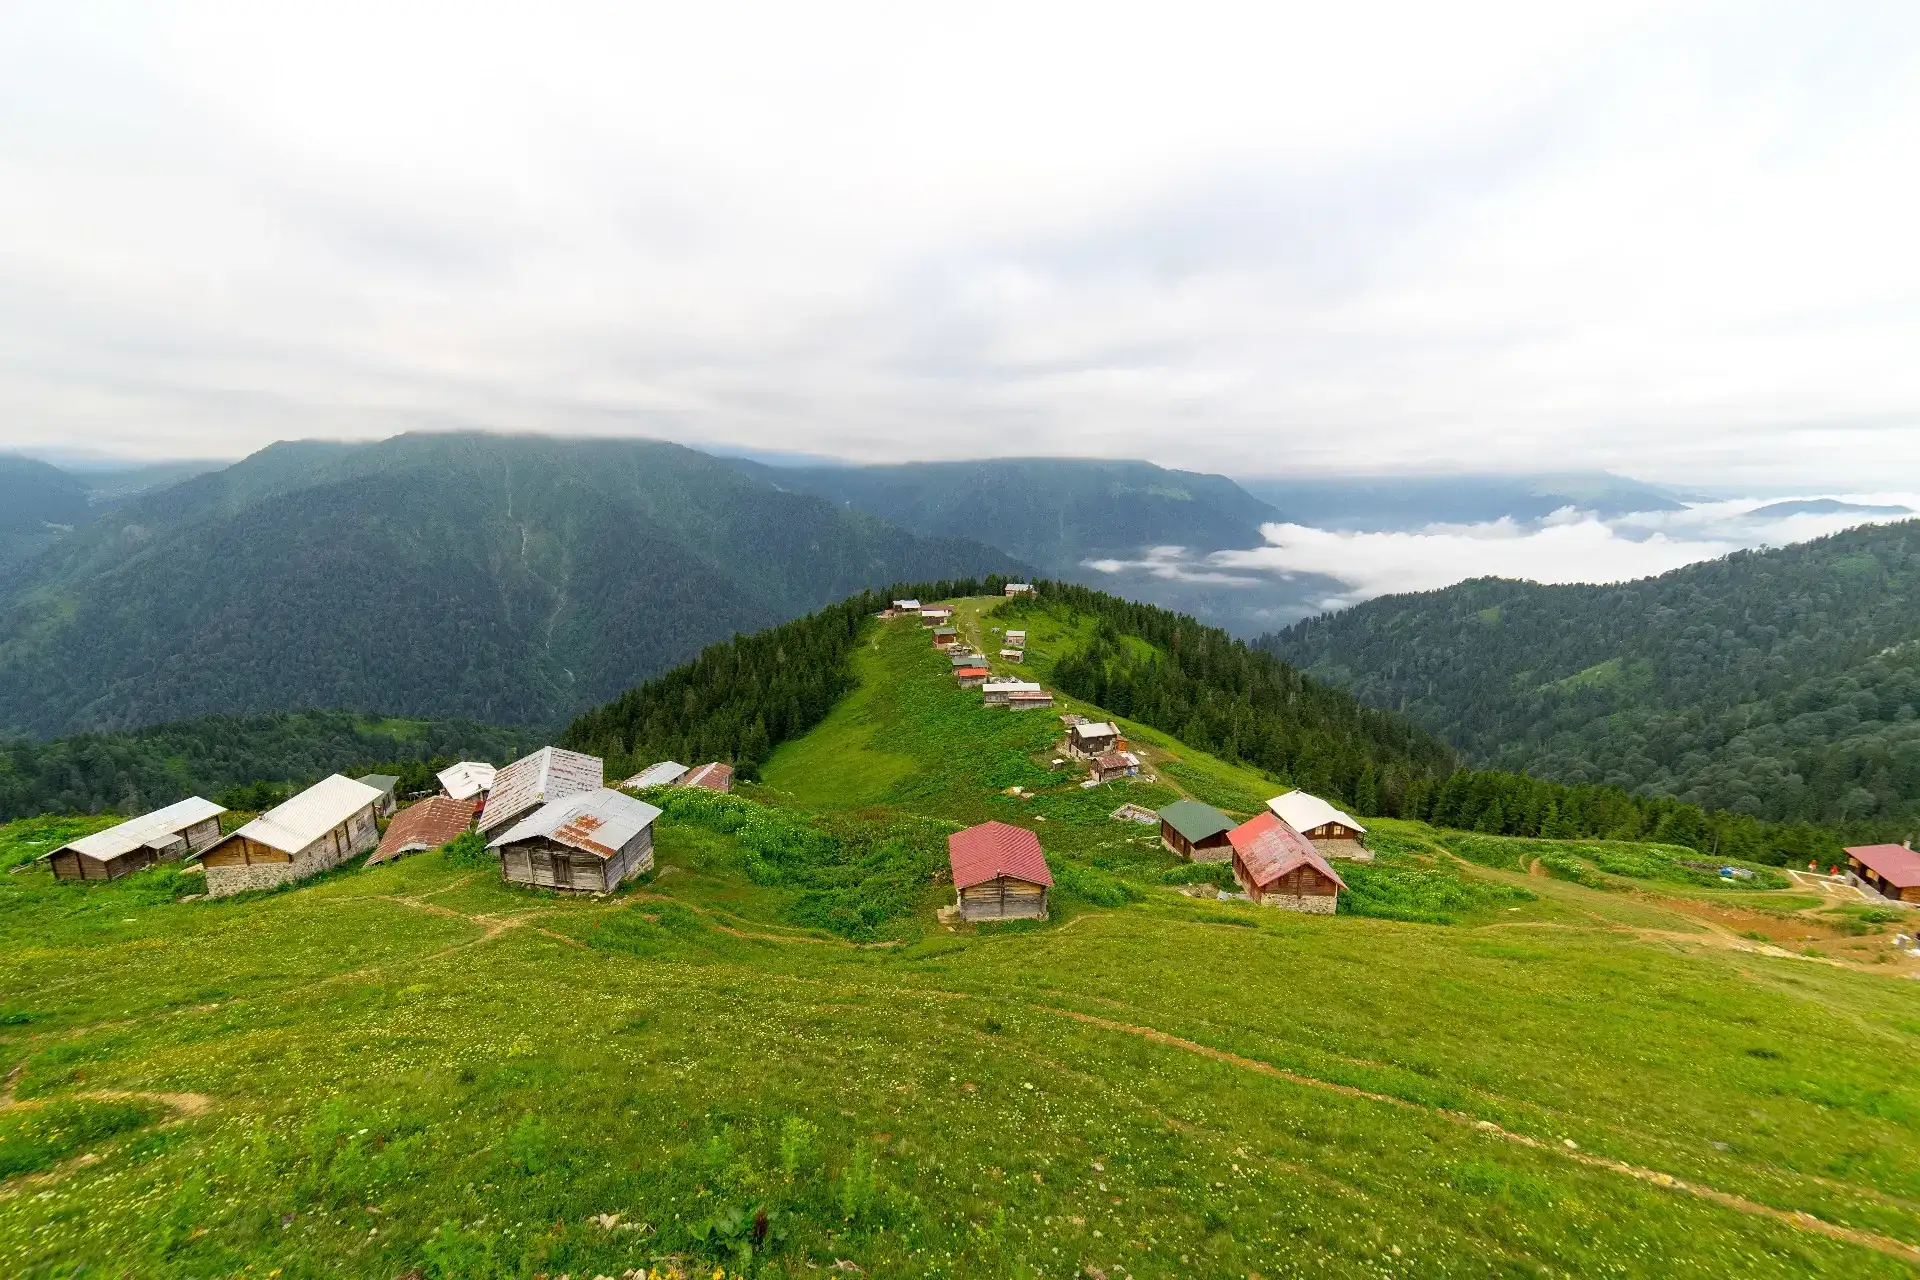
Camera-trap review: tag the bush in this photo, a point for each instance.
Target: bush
(469, 849)
(1218, 874)
(1093, 886)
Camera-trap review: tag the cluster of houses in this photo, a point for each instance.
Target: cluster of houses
(970, 667)
(549, 818)
(1101, 745)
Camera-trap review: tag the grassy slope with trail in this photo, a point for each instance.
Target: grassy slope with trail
(416, 1066)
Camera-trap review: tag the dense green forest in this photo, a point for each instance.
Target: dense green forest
(741, 698)
(495, 578)
(1780, 684)
(244, 762)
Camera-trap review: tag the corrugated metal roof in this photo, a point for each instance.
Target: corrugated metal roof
(1304, 812)
(467, 779)
(1194, 820)
(906, 604)
(664, 774)
(599, 822)
(426, 825)
(1013, 686)
(1269, 849)
(1098, 729)
(384, 782)
(292, 826)
(717, 776)
(135, 832)
(995, 849)
(547, 775)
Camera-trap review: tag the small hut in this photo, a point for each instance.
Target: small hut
(906, 606)
(587, 843)
(1014, 655)
(664, 774)
(971, 677)
(1278, 867)
(387, 785)
(1195, 831)
(997, 692)
(187, 826)
(713, 777)
(1030, 700)
(1890, 870)
(935, 615)
(1017, 639)
(999, 873)
(423, 825)
(1090, 740)
(468, 780)
(1114, 764)
(547, 775)
(944, 636)
(315, 831)
(1334, 834)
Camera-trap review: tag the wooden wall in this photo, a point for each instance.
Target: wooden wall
(545, 864)
(1003, 899)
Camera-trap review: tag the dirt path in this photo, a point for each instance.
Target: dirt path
(1799, 1221)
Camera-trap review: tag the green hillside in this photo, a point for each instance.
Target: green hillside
(1778, 683)
(493, 578)
(1506, 1057)
(136, 770)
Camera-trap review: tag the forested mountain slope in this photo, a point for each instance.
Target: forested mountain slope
(36, 500)
(1780, 683)
(492, 578)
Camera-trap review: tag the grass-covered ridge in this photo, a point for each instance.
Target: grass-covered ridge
(418, 1069)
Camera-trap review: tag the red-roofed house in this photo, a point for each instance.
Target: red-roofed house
(971, 677)
(1279, 867)
(1891, 870)
(999, 872)
(714, 777)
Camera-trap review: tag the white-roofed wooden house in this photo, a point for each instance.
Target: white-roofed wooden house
(315, 831)
(1334, 834)
(179, 829)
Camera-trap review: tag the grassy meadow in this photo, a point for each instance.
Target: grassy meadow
(769, 1058)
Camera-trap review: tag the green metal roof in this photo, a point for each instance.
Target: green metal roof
(1194, 820)
(380, 781)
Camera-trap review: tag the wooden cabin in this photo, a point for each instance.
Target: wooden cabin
(388, 786)
(935, 616)
(1196, 832)
(547, 775)
(906, 606)
(1014, 655)
(999, 873)
(997, 692)
(713, 777)
(175, 831)
(664, 774)
(1334, 834)
(1030, 700)
(971, 677)
(1114, 764)
(587, 843)
(422, 826)
(1890, 870)
(1276, 866)
(1016, 639)
(468, 780)
(315, 831)
(1086, 741)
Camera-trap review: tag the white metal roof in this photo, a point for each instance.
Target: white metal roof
(292, 826)
(146, 829)
(663, 774)
(597, 822)
(1013, 686)
(906, 604)
(467, 779)
(548, 774)
(1304, 812)
(1099, 729)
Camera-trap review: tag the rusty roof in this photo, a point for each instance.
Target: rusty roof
(995, 849)
(717, 776)
(1268, 848)
(599, 822)
(548, 774)
(426, 825)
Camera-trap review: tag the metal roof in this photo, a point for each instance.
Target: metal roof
(292, 826)
(426, 825)
(664, 774)
(1194, 820)
(467, 779)
(995, 849)
(967, 673)
(598, 822)
(136, 832)
(1304, 812)
(1099, 729)
(1269, 849)
(1898, 865)
(906, 604)
(717, 776)
(1010, 685)
(547, 775)
(383, 782)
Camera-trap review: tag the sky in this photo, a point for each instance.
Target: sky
(1671, 240)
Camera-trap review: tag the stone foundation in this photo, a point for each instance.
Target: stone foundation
(1317, 904)
(1352, 850)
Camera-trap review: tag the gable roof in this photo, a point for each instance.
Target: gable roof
(426, 824)
(548, 774)
(292, 826)
(1269, 849)
(156, 828)
(664, 774)
(599, 822)
(969, 672)
(1096, 729)
(995, 849)
(1194, 820)
(1007, 684)
(717, 776)
(1898, 865)
(467, 779)
(1304, 812)
(906, 604)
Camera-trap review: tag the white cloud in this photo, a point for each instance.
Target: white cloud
(1233, 237)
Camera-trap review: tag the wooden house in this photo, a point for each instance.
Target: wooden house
(906, 606)
(1019, 589)
(1334, 834)
(971, 677)
(944, 636)
(1113, 764)
(1030, 700)
(547, 775)
(968, 659)
(315, 831)
(423, 825)
(586, 843)
(1276, 866)
(1085, 741)
(1014, 655)
(999, 873)
(1016, 639)
(664, 774)
(185, 827)
(468, 780)
(935, 615)
(1890, 870)
(713, 777)
(1196, 832)
(388, 786)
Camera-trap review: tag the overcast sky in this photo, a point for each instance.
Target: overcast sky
(1678, 241)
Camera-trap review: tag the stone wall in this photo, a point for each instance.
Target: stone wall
(1352, 850)
(1317, 904)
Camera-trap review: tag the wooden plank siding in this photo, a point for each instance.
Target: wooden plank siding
(546, 864)
(1215, 848)
(1003, 898)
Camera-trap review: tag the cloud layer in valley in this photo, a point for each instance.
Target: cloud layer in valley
(1674, 240)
